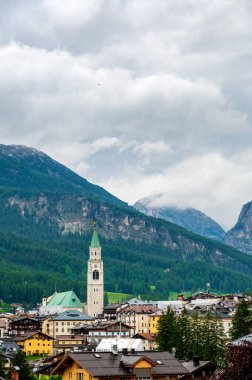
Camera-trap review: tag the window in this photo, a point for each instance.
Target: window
(70, 375)
(95, 275)
(80, 376)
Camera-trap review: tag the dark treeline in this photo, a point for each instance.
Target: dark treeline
(30, 266)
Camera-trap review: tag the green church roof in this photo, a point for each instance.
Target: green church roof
(95, 240)
(65, 299)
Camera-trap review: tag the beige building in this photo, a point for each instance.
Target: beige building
(95, 285)
(137, 317)
(63, 323)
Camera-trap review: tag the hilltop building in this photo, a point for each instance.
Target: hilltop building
(95, 283)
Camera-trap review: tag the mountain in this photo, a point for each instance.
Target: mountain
(26, 168)
(46, 218)
(190, 218)
(240, 236)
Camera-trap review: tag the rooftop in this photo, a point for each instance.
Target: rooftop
(108, 364)
(72, 315)
(65, 299)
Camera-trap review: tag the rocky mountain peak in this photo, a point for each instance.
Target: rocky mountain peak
(240, 236)
(189, 218)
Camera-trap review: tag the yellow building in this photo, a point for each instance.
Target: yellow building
(155, 365)
(35, 343)
(153, 322)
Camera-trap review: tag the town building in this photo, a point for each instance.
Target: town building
(154, 365)
(24, 324)
(4, 324)
(102, 330)
(65, 343)
(63, 323)
(60, 302)
(148, 341)
(137, 317)
(153, 323)
(198, 369)
(35, 343)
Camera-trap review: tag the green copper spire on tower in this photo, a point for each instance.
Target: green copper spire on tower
(95, 240)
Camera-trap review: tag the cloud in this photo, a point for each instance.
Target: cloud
(142, 97)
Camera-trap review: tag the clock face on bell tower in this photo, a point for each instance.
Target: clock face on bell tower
(95, 286)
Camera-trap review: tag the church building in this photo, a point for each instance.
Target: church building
(95, 284)
(68, 301)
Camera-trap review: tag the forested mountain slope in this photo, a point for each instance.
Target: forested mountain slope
(46, 231)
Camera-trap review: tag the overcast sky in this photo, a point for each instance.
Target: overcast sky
(142, 97)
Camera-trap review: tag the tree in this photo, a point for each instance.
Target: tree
(2, 367)
(184, 336)
(239, 363)
(167, 330)
(106, 299)
(197, 335)
(19, 360)
(213, 340)
(242, 321)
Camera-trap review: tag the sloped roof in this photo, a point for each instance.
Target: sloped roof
(147, 336)
(23, 337)
(242, 340)
(108, 364)
(72, 315)
(65, 299)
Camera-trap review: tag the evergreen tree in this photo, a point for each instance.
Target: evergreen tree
(220, 342)
(183, 337)
(19, 360)
(213, 346)
(167, 330)
(106, 299)
(197, 335)
(242, 321)
(2, 367)
(208, 338)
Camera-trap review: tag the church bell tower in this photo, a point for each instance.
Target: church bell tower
(95, 283)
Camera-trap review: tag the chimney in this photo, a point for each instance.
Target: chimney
(196, 361)
(124, 351)
(133, 351)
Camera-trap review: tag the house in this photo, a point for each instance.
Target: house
(137, 317)
(24, 324)
(35, 343)
(8, 347)
(154, 365)
(6, 359)
(65, 343)
(4, 324)
(153, 322)
(147, 339)
(100, 330)
(110, 311)
(60, 302)
(45, 366)
(63, 323)
(198, 369)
